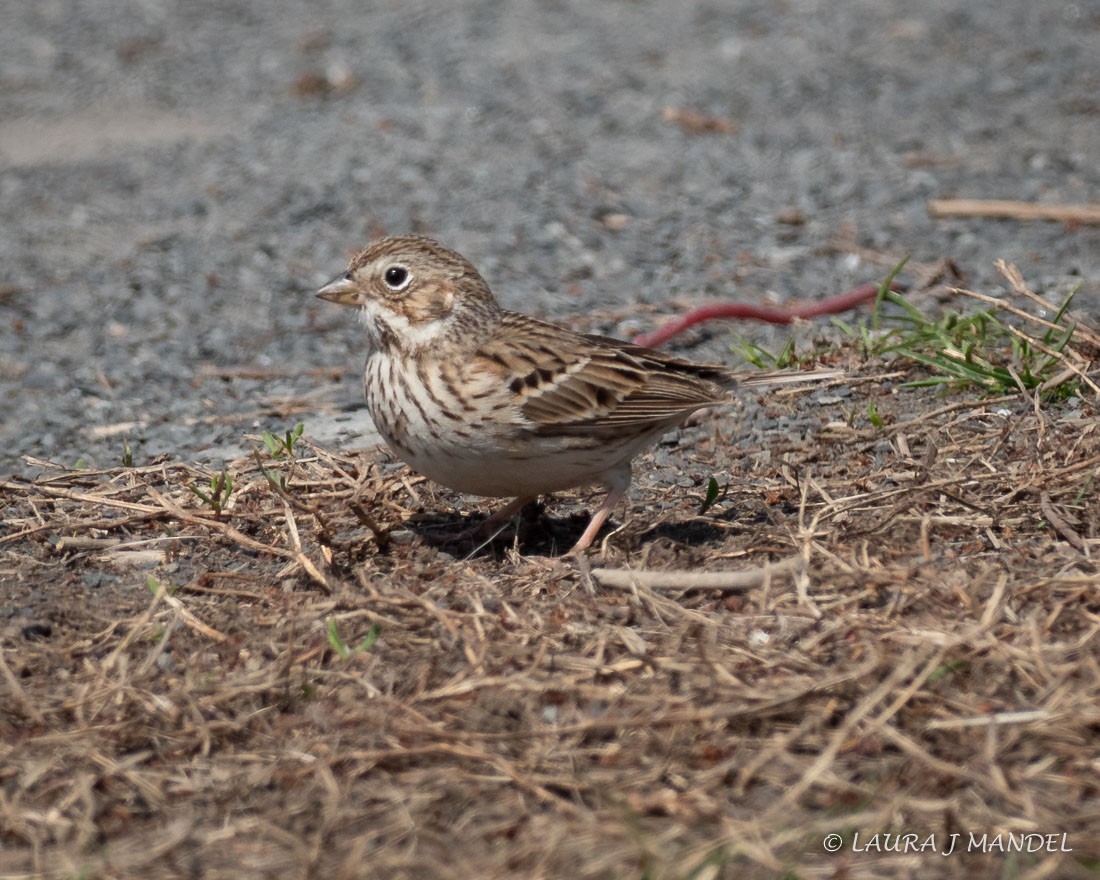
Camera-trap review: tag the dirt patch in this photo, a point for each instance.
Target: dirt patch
(322, 680)
(98, 132)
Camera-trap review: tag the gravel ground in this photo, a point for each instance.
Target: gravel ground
(177, 179)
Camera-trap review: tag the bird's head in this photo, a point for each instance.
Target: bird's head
(413, 292)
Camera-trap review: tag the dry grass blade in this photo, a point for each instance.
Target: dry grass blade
(1013, 210)
(683, 581)
(299, 696)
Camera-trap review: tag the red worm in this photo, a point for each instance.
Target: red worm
(770, 314)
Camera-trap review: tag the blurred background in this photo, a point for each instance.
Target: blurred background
(177, 179)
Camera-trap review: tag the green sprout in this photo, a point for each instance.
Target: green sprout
(154, 586)
(221, 487)
(714, 492)
(283, 447)
(873, 416)
(337, 643)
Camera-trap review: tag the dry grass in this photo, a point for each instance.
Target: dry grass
(173, 703)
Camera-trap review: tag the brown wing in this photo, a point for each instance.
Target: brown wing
(563, 380)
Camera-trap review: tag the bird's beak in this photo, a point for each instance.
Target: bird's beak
(343, 291)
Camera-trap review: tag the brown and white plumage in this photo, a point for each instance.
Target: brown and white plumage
(492, 402)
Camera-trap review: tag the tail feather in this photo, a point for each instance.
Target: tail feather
(784, 377)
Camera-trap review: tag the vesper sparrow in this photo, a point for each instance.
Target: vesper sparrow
(492, 402)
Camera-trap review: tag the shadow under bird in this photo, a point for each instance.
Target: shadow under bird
(492, 402)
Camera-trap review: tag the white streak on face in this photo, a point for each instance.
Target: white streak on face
(412, 336)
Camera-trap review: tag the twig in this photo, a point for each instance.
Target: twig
(725, 581)
(193, 622)
(1015, 278)
(75, 543)
(212, 371)
(296, 540)
(100, 500)
(926, 418)
(1085, 333)
(1006, 209)
(1060, 525)
(1056, 355)
(903, 668)
(1024, 716)
(328, 533)
(235, 535)
(18, 695)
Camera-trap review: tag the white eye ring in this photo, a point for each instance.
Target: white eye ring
(397, 277)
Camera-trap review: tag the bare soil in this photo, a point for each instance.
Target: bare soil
(189, 693)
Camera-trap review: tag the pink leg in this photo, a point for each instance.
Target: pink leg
(483, 530)
(504, 514)
(617, 483)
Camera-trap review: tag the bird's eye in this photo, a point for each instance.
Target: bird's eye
(397, 277)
